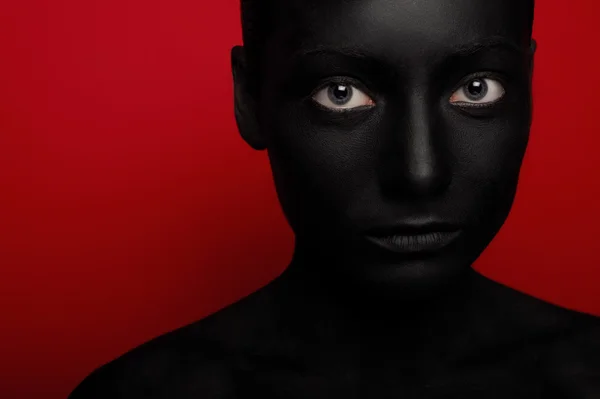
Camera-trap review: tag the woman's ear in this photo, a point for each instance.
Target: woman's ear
(245, 101)
(532, 50)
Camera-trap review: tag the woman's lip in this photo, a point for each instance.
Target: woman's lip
(415, 243)
(412, 228)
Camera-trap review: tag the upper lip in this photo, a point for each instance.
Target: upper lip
(411, 229)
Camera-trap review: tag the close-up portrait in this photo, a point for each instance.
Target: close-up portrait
(300, 199)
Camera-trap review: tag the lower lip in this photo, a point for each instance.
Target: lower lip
(416, 243)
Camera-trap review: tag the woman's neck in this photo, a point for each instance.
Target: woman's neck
(316, 293)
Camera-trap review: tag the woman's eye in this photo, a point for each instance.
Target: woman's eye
(340, 97)
(480, 91)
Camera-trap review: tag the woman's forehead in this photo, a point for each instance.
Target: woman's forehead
(400, 18)
(400, 27)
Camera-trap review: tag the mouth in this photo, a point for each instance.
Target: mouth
(414, 239)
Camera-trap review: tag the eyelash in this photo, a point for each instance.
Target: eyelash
(478, 75)
(342, 80)
(350, 81)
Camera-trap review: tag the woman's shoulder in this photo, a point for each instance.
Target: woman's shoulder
(565, 342)
(193, 361)
(522, 314)
(571, 361)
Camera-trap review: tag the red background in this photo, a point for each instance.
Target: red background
(129, 206)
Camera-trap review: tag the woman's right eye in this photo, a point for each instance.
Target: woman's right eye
(342, 97)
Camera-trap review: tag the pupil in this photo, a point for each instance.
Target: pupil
(476, 89)
(340, 94)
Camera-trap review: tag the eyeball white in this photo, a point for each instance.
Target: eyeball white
(336, 96)
(478, 91)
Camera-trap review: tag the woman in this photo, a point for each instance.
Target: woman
(395, 132)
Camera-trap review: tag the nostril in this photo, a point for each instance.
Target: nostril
(425, 176)
(422, 179)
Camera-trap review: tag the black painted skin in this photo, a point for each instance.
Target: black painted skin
(348, 319)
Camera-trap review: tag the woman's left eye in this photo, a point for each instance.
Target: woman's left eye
(341, 97)
(479, 91)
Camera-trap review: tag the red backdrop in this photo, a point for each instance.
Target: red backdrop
(129, 206)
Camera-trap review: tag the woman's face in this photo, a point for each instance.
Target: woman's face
(396, 131)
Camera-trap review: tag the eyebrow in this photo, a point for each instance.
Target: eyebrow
(459, 50)
(489, 42)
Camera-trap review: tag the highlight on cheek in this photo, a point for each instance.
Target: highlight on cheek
(342, 97)
(478, 91)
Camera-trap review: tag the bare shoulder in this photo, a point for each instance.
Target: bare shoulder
(197, 360)
(520, 315)
(565, 342)
(572, 361)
